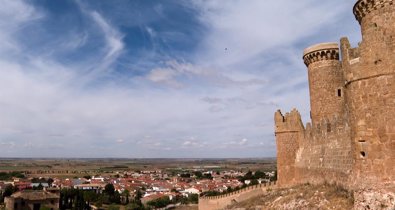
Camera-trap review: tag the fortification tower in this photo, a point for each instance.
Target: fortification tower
(325, 81)
(370, 75)
(289, 129)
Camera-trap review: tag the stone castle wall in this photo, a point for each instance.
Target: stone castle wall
(315, 154)
(288, 131)
(222, 201)
(325, 155)
(351, 140)
(371, 95)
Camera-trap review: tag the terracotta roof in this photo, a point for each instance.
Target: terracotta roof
(35, 195)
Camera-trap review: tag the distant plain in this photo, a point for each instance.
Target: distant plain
(79, 167)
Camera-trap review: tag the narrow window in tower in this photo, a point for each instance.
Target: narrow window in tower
(363, 154)
(339, 92)
(362, 144)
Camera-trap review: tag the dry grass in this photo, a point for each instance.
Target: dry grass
(302, 197)
(190, 207)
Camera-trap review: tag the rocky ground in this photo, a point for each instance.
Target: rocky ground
(190, 207)
(322, 197)
(302, 197)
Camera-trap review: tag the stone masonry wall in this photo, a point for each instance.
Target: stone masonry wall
(371, 96)
(288, 131)
(325, 81)
(317, 154)
(351, 140)
(325, 154)
(222, 201)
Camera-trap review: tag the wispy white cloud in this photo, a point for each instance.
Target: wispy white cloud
(112, 36)
(178, 74)
(247, 30)
(220, 102)
(112, 48)
(13, 16)
(76, 40)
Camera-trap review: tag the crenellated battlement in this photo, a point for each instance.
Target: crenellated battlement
(320, 52)
(364, 7)
(325, 128)
(265, 185)
(348, 53)
(290, 122)
(222, 201)
(351, 138)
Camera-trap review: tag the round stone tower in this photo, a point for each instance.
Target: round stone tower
(370, 90)
(325, 81)
(376, 18)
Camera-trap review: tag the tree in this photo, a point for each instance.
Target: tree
(248, 175)
(160, 202)
(137, 200)
(126, 194)
(116, 198)
(198, 174)
(9, 189)
(138, 196)
(50, 181)
(110, 195)
(208, 176)
(187, 175)
(259, 174)
(87, 177)
(89, 196)
(193, 198)
(109, 189)
(254, 182)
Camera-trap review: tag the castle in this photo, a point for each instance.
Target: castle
(351, 138)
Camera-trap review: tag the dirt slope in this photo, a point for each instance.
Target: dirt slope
(307, 197)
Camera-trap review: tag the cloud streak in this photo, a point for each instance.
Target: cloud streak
(91, 93)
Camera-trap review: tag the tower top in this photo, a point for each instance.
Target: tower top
(322, 51)
(364, 7)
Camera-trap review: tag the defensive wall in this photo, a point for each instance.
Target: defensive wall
(350, 140)
(222, 201)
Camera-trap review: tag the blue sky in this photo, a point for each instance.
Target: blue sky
(149, 79)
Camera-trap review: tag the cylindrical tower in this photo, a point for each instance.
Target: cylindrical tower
(325, 80)
(370, 94)
(377, 25)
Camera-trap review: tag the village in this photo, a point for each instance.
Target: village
(130, 189)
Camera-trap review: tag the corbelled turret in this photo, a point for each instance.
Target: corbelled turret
(325, 81)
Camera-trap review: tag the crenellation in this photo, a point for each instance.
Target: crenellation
(321, 52)
(291, 122)
(350, 140)
(364, 7)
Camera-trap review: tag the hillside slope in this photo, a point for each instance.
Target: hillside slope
(301, 197)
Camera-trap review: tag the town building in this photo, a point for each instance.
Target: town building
(32, 200)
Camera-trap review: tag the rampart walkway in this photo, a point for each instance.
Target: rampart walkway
(222, 201)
